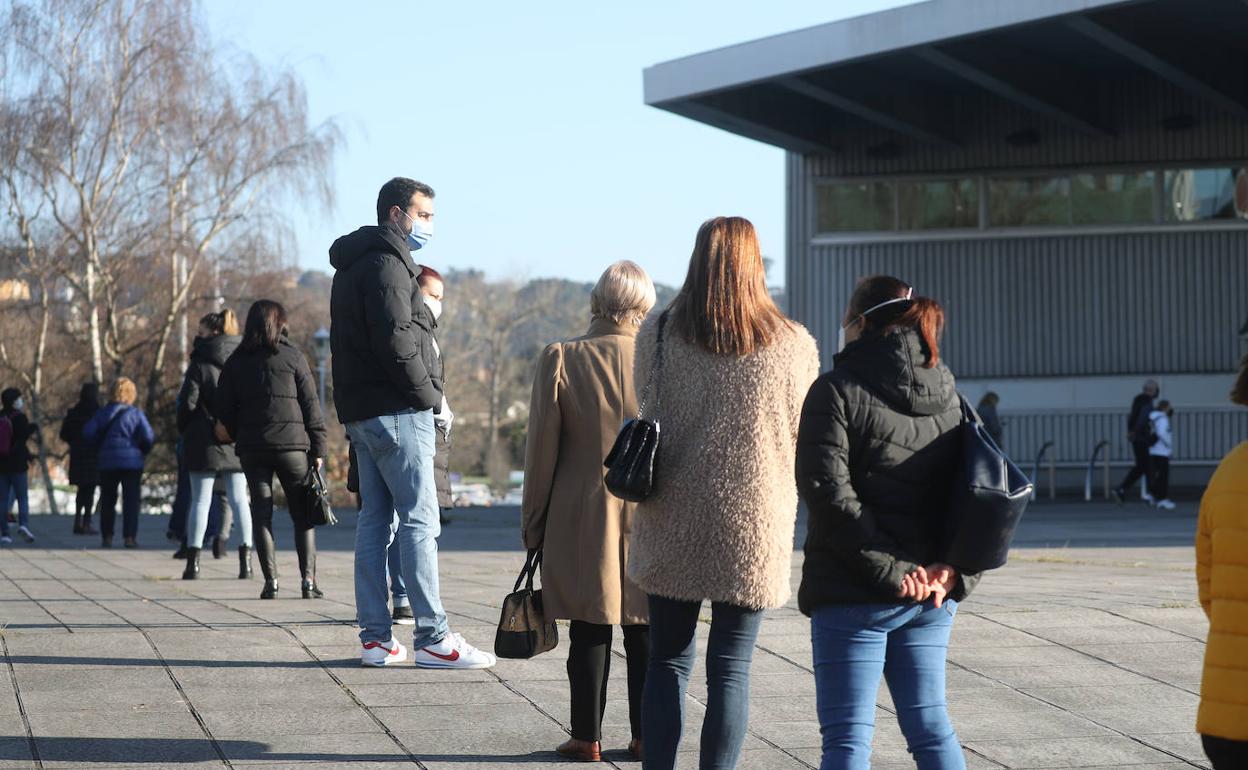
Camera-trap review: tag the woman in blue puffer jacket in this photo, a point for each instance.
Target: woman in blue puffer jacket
(124, 437)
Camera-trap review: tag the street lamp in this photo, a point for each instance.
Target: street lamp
(321, 338)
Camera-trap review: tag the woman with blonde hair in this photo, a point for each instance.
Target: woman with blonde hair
(718, 525)
(582, 394)
(124, 437)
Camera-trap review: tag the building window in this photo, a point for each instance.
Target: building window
(1030, 202)
(1113, 199)
(856, 207)
(938, 204)
(1195, 195)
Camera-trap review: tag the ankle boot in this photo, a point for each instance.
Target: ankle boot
(192, 564)
(86, 525)
(181, 552)
(244, 562)
(270, 589)
(310, 591)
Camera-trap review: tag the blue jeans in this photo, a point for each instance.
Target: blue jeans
(394, 571)
(202, 499)
(853, 645)
(672, 651)
(394, 454)
(14, 485)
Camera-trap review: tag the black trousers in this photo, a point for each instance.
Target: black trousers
(84, 500)
(1143, 461)
(129, 481)
(290, 469)
(589, 668)
(1224, 753)
(1159, 477)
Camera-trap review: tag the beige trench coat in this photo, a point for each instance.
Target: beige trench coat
(582, 394)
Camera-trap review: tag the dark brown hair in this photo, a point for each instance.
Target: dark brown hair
(1239, 394)
(724, 306)
(266, 322)
(923, 314)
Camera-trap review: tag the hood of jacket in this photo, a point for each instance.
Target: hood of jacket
(891, 366)
(214, 350)
(370, 239)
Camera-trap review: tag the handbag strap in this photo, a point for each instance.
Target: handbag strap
(531, 564)
(655, 365)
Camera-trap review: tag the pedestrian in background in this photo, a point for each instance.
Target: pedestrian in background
(207, 460)
(15, 431)
(877, 448)
(124, 437)
(1141, 437)
(1160, 453)
(987, 409)
(266, 403)
(582, 393)
(1221, 558)
(719, 522)
(84, 473)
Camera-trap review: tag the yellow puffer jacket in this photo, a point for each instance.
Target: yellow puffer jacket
(1222, 575)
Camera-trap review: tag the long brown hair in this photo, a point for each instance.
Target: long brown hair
(923, 314)
(266, 322)
(724, 306)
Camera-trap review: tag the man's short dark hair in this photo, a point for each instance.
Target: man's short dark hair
(399, 192)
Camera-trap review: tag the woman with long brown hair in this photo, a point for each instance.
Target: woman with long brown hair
(875, 454)
(719, 523)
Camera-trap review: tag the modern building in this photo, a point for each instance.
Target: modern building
(1069, 177)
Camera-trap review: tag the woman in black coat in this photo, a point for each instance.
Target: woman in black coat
(876, 448)
(83, 471)
(207, 459)
(266, 401)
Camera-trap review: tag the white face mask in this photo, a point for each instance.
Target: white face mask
(435, 307)
(18, 404)
(840, 333)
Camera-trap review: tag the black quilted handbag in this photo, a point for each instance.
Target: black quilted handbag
(630, 464)
(989, 496)
(523, 630)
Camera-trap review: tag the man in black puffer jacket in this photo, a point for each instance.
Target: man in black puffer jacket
(386, 394)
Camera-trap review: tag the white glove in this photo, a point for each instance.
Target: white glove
(443, 420)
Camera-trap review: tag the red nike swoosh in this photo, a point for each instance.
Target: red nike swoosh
(375, 645)
(454, 656)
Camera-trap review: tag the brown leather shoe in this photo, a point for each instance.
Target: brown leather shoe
(584, 751)
(634, 748)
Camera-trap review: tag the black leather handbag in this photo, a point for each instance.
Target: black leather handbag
(989, 496)
(316, 497)
(523, 630)
(630, 464)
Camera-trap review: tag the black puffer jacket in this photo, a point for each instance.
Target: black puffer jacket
(196, 414)
(268, 403)
(876, 452)
(381, 333)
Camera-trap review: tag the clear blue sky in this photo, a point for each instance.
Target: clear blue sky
(528, 121)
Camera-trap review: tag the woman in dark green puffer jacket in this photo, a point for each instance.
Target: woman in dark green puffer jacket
(876, 452)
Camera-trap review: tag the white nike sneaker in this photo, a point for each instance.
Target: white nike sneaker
(381, 654)
(26, 533)
(1166, 504)
(453, 652)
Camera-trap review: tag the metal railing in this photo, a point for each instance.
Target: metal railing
(1035, 472)
(1087, 481)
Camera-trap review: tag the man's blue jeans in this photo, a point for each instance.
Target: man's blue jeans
(853, 645)
(729, 651)
(394, 454)
(14, 485)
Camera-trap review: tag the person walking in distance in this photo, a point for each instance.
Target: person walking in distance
(987, 409)
(1139, 433)
(84, 473)
(877, 447)
(582, 393)
(387, 393)
(124, 437)
(1221, 558)
(719, 522)
(266, 403)
(15, 431)
(1160, 453)
(207, 459)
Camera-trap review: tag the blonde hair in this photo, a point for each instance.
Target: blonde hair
(624, 294)
(124, 391)
(225, 322)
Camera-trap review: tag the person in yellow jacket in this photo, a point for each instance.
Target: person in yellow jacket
(1221, 564)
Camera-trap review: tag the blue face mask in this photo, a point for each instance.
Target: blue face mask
(420, 234)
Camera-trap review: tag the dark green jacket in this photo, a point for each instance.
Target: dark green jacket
(876, 454)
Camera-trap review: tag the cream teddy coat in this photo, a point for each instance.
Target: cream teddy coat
(719, 523)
